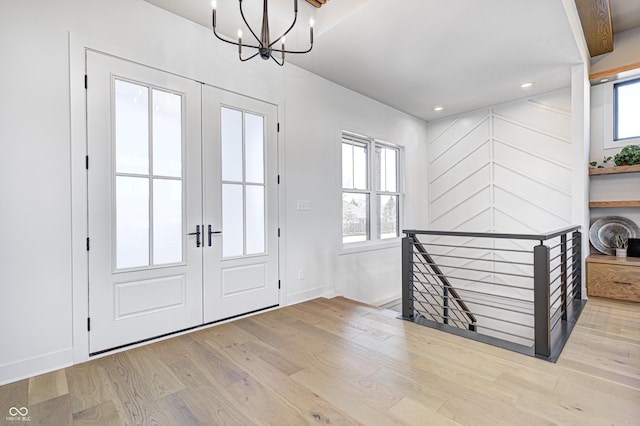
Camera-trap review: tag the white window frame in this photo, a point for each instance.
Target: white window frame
(609, 118)
(374, 239)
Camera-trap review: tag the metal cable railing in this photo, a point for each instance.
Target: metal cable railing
(490, 286)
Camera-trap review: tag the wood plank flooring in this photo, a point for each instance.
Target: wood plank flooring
(335, 361)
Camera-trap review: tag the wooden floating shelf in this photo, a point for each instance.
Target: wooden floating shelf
(615, 170)
(609, 204)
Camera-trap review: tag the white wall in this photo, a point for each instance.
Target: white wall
(506, 168)
(37, 258)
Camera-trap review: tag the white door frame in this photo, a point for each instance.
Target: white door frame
(78, 45)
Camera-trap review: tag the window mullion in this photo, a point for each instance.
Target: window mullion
(373, 199)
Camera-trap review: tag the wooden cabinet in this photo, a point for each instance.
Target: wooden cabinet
(612, 277)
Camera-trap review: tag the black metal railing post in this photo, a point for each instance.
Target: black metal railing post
(445, 305)
(563, 277)
(577, 261)
(542, 310)
(407, 277)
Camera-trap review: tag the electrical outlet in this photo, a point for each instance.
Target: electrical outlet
(301, 274)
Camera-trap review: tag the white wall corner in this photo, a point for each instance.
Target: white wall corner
(313, 293)
(581, 135)
(34, 366)
(578, 34)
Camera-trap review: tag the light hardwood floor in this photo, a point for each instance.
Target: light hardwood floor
(334, 361)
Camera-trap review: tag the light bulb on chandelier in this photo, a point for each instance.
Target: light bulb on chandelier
(265, 48)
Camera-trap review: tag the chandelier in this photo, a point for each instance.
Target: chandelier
(265, 47)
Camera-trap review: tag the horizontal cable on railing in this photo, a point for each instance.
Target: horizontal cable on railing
(554, 269)
(441, 316)
(438, 317)
(479, 281)
(484, 293)
(473, 269)
(476, 248)
(557, 299)
(557, 256)
(479, 259)
(433, 295)
(574, 291)
(556, 246)
(486, 316)
(426, 274)
(574, 278)
(554, 291)
(460, 317)
(426, 311)
(555, 279)
(557, 320)
(483, 327)
(498, 307)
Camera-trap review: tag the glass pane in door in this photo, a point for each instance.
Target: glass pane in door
(232, 220)
(132, 222)
(254, 140)
(167, 134)
(255, 219)
(167, 221)
(131, 127)
(231, 136)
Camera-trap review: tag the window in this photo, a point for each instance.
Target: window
(626, 97)
(370, 189)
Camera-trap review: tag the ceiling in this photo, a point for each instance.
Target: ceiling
(625, 15)
(415, 55)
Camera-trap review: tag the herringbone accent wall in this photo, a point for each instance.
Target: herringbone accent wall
(503, 169)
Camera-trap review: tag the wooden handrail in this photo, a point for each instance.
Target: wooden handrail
(443, 279)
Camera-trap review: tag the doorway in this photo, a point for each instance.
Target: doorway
(182, 203)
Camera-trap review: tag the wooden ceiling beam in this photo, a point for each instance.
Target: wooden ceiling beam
(595, 16)
(317, 3)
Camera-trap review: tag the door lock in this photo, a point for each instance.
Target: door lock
(197, 234)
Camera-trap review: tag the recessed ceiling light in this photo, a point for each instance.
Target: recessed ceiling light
(438, 108)
(527, 84)
(604, 80)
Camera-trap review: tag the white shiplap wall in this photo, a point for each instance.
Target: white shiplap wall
(504, 169)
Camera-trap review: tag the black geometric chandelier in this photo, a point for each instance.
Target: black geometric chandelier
(265, 47)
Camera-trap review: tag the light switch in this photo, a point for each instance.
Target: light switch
(304, 205)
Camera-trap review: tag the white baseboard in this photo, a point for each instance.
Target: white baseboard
(386, 300)
(325, 291)
(30, 367)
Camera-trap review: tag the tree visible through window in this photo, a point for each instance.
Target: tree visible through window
(370, 196)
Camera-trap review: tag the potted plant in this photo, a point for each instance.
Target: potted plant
(620, 244)
(628, 156)
(605, 163)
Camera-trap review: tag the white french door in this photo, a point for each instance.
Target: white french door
(174, 241)
(240, 148)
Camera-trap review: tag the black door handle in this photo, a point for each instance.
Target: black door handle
(210, 232)
(197, 234)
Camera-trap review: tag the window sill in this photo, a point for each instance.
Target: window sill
(365, 246)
